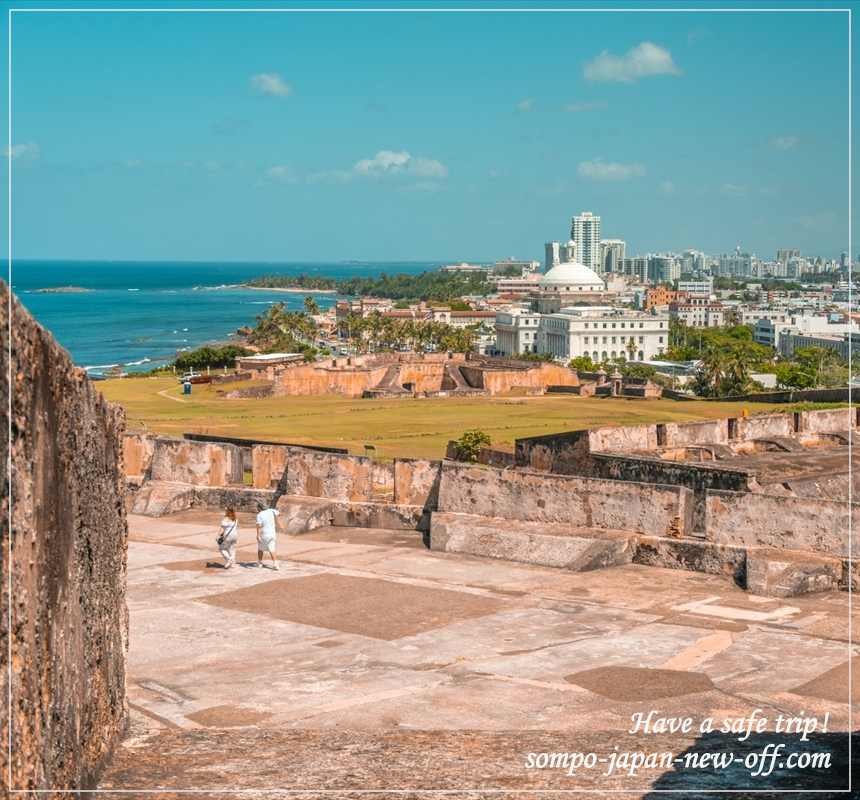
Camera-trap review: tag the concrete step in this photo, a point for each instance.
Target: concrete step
(541, 543)
(787, 573)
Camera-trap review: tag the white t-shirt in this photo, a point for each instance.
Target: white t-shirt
(266, 521)
(230, 528)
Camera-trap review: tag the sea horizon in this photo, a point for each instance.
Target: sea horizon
(145, 313)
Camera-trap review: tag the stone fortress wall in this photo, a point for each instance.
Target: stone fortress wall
(716, 496)
(409, 375)
(69, 628)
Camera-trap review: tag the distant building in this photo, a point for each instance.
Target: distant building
(636, 267)
(660, 297)
(785, 255)
(603, 333)
(463, 266)
(516, 332)
(737, 265)
(585, 231)
(663, 268)
(612, 252)
(516, 265)
(569, 284)
(694, 261)
(702, 286)
(552, 255)
(568, 252)
(698, 312)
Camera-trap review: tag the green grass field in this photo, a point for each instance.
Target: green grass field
(418, 428)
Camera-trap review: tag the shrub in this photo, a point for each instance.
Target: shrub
(470, 444)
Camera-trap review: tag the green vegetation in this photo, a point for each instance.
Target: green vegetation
(470, 443)
(206, 356)
(375, 333)
(281, 331)
(397, 428)
(436, 285)
(811, 367)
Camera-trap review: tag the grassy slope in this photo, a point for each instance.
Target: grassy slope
(418, 428)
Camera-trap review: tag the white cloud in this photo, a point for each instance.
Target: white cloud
(281, 173)
(578, 108)
(27, 151)
(394, 162)
(733, 189)
(271, 83)
(667, 187)
(527, 104)
(784, 142)
(643, 61)
(601, 170)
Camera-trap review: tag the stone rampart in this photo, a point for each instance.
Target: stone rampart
(67, 568)
(587, 502)
(137, 449)
(780, 522)
(328, 475)
(196, 463)
(268, 462)
(416, 482)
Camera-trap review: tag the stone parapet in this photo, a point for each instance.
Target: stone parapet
(66, 567)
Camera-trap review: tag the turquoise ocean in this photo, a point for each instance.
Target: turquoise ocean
(140, 315)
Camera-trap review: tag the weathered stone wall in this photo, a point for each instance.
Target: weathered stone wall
(137, 449)
(833, 420)
(416, 482)
(537, 497)
(776, 521)
(334, 477)
(699, 478)
(268, 462)
(197, 463)
(763, 426)
(67, 566)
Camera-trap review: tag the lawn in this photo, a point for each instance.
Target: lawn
(418, 428)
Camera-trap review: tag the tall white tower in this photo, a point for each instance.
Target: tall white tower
(585, 231)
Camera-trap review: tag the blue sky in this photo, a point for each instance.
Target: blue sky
(425, 136)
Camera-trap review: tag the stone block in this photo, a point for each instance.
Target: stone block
(268, 462)
(302, 514)
(779, 573)
(544, 544)
(416, 481)
(695, 555)
(197, 463)
(329, 475)
(157, 498)
(389, 516)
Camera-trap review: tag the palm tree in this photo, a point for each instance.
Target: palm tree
(311, 306)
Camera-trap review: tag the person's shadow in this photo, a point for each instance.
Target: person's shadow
(821, 766)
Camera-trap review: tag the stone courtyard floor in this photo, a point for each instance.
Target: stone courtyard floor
(369, 662)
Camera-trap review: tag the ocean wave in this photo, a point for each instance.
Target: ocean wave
(137, 363)
(132, 290)
(101, 366)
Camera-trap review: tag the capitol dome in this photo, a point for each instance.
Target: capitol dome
(572, 277)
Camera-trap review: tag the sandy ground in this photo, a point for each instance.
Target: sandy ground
(369, 662)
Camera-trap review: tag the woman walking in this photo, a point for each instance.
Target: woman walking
(229, 537)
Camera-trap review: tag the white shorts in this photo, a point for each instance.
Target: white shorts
(266, 545)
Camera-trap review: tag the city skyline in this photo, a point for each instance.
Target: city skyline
(419, 137)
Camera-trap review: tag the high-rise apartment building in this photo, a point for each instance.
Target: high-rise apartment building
(585, 231)
(612, 252)
(552, 257)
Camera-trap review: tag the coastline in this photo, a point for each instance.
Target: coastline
(288, 290)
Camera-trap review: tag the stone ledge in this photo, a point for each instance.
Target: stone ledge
(540, 543)
(783, 573)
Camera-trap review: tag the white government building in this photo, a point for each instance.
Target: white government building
(601, 332)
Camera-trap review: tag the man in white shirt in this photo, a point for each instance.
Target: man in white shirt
(267, 534)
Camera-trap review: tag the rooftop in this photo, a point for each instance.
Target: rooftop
(443, 670)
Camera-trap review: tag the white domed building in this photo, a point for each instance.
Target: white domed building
(569, 284)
